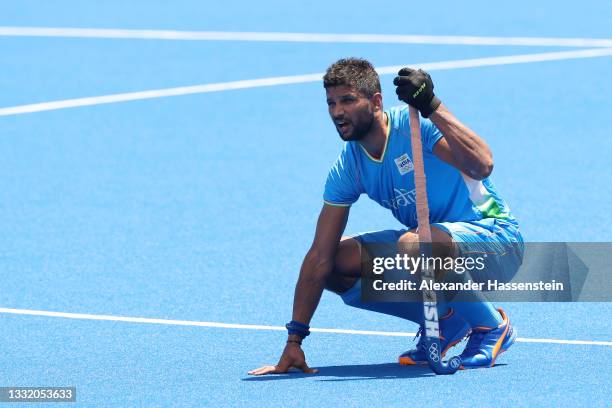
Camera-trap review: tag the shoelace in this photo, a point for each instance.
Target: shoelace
(421, 343)
(471, 344)
(474, 342)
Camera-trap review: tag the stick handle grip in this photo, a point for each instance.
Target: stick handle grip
(420, 182)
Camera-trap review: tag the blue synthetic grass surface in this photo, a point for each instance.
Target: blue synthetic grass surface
(201, 207)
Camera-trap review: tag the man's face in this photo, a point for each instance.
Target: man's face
(352, 113)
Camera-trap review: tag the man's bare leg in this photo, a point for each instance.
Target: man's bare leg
(345, 280)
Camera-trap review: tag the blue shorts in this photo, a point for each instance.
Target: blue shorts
(498, 242)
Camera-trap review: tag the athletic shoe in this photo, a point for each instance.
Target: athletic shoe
(485, 345)
(452, 330)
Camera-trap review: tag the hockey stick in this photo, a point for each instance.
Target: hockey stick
(430, 309)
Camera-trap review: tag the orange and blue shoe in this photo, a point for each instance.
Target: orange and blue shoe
(452, 330)
(485, 345)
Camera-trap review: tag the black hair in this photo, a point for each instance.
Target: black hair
(356, 73)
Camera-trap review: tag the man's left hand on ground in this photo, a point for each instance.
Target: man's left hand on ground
(293, 357)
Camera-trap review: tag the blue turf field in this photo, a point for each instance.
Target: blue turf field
(200, 207)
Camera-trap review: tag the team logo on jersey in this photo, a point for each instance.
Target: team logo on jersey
(402, 198)
(404, 164)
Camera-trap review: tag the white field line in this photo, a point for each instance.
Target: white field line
(67, 32)
(84, 316)
(296, 79)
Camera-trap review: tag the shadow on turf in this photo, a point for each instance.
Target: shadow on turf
(383, 371)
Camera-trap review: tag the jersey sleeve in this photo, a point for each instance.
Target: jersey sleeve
(430, 134)
(342, 187)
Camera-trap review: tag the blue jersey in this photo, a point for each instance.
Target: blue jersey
(452, 195)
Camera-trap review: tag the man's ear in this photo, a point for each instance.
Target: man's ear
(376, 100)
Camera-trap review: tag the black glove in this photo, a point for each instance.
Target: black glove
(415, 87)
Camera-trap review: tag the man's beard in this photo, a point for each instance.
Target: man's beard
(360, 128)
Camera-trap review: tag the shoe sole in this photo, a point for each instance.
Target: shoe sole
(408, 361)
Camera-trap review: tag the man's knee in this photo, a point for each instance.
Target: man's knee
(348, 256)
(442, 243)
(347, 266)
(408, 243)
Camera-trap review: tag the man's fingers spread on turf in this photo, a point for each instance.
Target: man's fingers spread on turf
(258, 371)
(304, 367)
(263, 370)
(279, 370)
(282, 367)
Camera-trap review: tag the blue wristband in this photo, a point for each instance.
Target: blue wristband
(297, 328)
